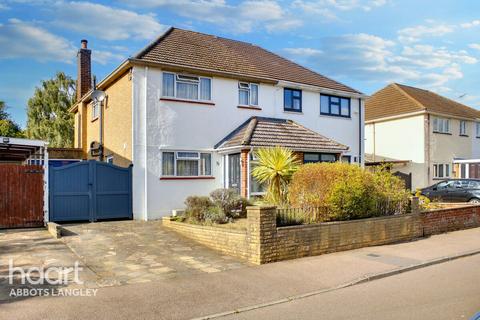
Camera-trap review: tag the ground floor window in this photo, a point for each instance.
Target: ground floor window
(256, 188)
(346, 159)
(310, 157)
(441, 170)
(186, 163)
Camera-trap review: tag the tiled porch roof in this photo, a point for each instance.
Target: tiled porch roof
(270, 132)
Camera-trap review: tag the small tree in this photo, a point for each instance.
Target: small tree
(8, 128)
(48, 115)
(275, 168)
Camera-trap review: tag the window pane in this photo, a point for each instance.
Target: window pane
(206, 164)
(187, 167)
(435, 124)
(335, 99)
(345, 108)
(255, 186)
(324, 104)
(287, 98)
(187, 90)
(296, 104)
(335, 109)
(243, 97)
(325, 157)
(311, 157)
(447, 125)
(187, 155)
(167, 85)
(254, 94)
(440, 170)
(296, 93)
(168, 162)
(205, 89)
(447, 170)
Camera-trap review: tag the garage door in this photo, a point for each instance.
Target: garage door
(90, 190)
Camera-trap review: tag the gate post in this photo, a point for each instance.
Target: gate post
(92, 186)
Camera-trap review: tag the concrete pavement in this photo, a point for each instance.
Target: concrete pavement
(205, 294)
(444, 291)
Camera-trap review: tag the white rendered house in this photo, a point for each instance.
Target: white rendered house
(189, 109)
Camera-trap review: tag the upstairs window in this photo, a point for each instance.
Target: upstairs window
(247, 94)
(334, 106)
(186, 164)
(292, 99)
(463, 127)
(441, 125)
(186, 87)
(477, 129)
(95, 110)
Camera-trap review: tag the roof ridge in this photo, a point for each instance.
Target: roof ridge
(247, 136)
(398, 87)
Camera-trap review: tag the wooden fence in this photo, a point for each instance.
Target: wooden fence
(21, 195)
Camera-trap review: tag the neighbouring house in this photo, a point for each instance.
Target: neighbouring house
(188, 110)
(424, 134)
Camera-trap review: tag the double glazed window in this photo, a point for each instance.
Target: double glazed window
(463, 127)
(186, 87)
(256, 188)
(477, 129)
(247, 94)
(334, 106)
(292, 99)
(441, 125)
(319, 157)
(186, 164)
(441, 170)
(95, 110)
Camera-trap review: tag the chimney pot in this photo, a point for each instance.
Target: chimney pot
(84, 44)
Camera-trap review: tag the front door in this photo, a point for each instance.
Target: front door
(234, 171)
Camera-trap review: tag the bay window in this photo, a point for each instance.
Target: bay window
(186, 164)
(186, 87)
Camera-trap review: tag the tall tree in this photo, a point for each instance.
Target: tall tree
(8, 128)
(48, 116)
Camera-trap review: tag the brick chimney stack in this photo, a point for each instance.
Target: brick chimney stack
(84, 70)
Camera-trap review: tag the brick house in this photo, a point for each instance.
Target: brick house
(188, 110)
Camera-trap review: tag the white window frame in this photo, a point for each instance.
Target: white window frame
(446, 170)
(95, 109)
(247, 86)
(441, 125)
(197, 157)
(186, 79)
(463, 128)
(109, 159)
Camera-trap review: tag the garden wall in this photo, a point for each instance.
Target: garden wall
(263, 242)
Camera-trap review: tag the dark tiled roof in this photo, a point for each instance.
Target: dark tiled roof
(396, 99)
(270, 132)
(197, 50)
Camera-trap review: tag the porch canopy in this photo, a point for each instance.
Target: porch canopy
(258, 132)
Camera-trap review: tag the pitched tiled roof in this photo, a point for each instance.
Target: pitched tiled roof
(270, 132)
(203, 51)
(396, 99)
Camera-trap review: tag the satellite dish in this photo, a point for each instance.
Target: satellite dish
(98, 95)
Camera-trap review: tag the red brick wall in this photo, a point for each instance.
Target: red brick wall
(244, 173)
(84, 72)
(444, 220)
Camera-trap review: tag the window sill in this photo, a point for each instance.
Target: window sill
(188, 101)
(447, 133)
(463, 135)
(249, 107)
(335, 116)
(94, 119)
(292, 111)
(188, 178)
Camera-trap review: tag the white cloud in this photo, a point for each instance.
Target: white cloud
(371, 58)
(475, 46)
(416, 33)
(105, 57)
(243, 17)
(105, 22)
(329, 8)
(19, 39)
(471, 24)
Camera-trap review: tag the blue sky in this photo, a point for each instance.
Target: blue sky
(362, 43)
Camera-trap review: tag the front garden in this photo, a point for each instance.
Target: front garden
(305, 193)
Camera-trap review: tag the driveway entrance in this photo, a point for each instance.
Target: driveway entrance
(121, 252)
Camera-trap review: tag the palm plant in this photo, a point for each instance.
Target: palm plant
(275, 168)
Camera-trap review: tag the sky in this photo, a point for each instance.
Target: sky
(365, 44)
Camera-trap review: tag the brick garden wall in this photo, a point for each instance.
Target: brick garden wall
(262, 242)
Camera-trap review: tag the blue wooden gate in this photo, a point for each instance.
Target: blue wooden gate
(90, 190)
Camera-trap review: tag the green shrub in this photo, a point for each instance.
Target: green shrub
(232, 204)
(197, 207)
(347, 191)
(215, 215)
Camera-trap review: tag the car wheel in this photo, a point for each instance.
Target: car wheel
(474, 200)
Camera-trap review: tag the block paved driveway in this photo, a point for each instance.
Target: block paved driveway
(111, 253)
(121, 252)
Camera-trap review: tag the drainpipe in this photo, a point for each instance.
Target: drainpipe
(427, 146)
(374, 143)
(360, 131)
